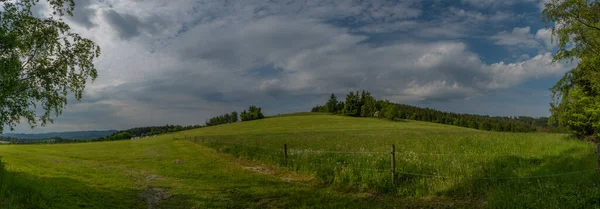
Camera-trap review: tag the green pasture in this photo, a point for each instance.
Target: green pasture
(333, 162)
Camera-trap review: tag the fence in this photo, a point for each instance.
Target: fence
(286, 152)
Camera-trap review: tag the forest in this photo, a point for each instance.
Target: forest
(362, 104)
(145, 131)
(51, 140)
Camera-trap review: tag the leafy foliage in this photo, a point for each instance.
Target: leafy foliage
(42, 61)
(253, 113)
(575, 97)
(223, 119)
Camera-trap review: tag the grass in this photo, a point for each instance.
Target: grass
(162, 173)
(433, 160)
(239, 166)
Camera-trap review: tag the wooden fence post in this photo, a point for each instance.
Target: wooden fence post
(285, 158)
(393, 153)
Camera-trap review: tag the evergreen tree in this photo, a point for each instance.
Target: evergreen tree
(351, 106)
(332, 104)
(369, 106)
(234, 117)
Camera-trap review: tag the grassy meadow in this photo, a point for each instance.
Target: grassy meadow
(514, 170)
(159, 173)
(333, 162)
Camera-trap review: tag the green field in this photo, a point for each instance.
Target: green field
(333, 161)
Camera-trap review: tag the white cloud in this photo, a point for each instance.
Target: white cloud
(524, 38)
(511, 74)
(517, 37)
(545, 35)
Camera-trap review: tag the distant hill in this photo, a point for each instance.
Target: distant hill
(64, 135)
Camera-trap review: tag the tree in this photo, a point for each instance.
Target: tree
(340, 106)
(351, 106)
(332, 104)
(41, 62)
(575, 97)
(234, 117)
(254, 113)
(390, 111)
(369, 106)
(226, 118)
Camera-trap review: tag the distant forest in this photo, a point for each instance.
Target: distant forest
(145, 131)
(253, 113)
(51, 140)
(362, 104)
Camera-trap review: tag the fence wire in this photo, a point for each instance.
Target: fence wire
(302, 151)
(296, 151)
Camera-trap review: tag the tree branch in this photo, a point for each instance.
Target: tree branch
(30, 57)
(586, 41)
(578, 18)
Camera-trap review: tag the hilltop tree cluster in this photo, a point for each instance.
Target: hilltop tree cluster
(253, 113)
(362, 104)
(223, 119)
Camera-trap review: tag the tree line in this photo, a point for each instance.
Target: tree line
(51, 140)
(253, 113)
(362, 104)
(145, 131)
(223, 119)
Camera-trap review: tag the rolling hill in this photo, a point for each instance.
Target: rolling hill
(332, 162)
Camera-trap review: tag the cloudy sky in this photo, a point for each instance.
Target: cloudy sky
(180, 62)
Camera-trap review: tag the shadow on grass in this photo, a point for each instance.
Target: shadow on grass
(20, 190)
(571, 190)
(277, 194)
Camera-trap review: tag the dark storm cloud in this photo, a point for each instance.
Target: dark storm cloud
(129, 26)
(125, 24)
(83, 13)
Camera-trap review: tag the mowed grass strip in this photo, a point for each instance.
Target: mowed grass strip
(432, 160)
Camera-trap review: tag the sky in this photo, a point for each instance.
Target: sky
(181, 62)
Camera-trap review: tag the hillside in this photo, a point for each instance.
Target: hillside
(333, 162)
(432, 160)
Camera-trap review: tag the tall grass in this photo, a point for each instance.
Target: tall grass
(506, 169)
